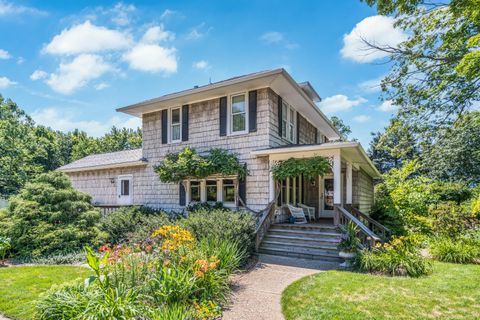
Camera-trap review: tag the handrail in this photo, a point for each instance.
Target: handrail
(374, 225)
(366, 236)
(264, 223)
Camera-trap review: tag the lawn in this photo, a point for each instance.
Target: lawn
(452, 291)
(21, 286)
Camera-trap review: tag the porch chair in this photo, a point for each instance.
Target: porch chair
(298, 214)
(310, 211)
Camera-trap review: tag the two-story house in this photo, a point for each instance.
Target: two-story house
(263, 117)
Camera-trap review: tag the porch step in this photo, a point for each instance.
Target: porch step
(288, 239)
(304, 227)
(299, 252)
(305, 245)
(305, 233)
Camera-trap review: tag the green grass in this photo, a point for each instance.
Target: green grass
(452, 291)
(21, 286)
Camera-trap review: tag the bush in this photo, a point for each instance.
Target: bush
(49, 216)
(132, 224)
(452, 220)
(399, 257)
(75, 257)
(5, 245)
(460, 250)
(222, 225)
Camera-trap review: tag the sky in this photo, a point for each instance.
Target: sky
(70, 64)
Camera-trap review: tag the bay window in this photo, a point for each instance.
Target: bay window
(212, 190)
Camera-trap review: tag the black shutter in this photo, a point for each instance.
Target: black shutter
(298, 128)
(185, 122)
(252, 111)
(242, 188)
(182, 198)
(316, 135)
(164, 126)
(280, 116)
(223, 116)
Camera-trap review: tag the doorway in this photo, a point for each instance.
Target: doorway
(326, 194)
(125, 190)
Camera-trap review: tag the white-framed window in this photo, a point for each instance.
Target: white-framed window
(213, 190)
(238, 115)
(176, 125)
(195, 194)
(228, 191)
(289, 122)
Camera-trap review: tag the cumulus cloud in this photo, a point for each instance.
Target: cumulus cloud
(275, 37)
(201, 65)
(361, 118)
(387, 106)
(152, 58)
(8, 8)
(38, 74)
(157, 34)
(4, 54)
(87, 38)
(66, 120)
(76, 74)
(378, 30)
(5, 82)
(339, 103)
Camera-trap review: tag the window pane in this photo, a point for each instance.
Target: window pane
(195, 191)
(284, 128)
(176, 132)
(292, 132)
(125, 186)
(228, 191)
(238, 104)
(284, 111)
(175, 116)
(211, 190)
(292, 116)
(238, 122)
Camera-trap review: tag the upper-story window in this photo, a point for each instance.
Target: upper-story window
(288, 122)
(176, 125)
(238, 113)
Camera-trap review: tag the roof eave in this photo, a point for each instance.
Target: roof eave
(104, 167)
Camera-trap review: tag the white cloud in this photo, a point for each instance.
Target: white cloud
(87, 38)
(372, 85)
(5, 82)
(201, 65)
(167, 14)
(198, 32)
(156, 34)
(339, 103)
(38, 74)
(65, 120)
(378, 30)
(275, 37)
(4, 54)
(152, 58)
(121, 14)
(361, 118)
(387, 106)
(101, 86)
(76, 74)
(20, 60)
(7, 8)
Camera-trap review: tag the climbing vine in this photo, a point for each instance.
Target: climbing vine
(189, 164)
(294, 167)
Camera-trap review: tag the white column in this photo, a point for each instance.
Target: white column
(220, 190)
(188, 196)
(271, 183)
(203, 191)
(337, 179)
(348, 179)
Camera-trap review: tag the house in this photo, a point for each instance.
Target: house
(263, 117)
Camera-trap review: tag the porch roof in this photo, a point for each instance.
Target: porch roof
(350, 150)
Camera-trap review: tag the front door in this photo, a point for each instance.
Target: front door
(326, 197)
(125, 190)
(310, 193)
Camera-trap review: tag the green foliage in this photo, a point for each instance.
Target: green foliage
(341, 127)
(72, 257)
(452, 220)
(349, 241)
(189, 164)
(5, 245)
(49, 216)
(399, 257)
(222, 224)
(459, 250)
(294, 167)
(132, 224)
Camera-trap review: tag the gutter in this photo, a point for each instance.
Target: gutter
(105, 166)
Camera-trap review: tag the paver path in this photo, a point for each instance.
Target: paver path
(257, 293)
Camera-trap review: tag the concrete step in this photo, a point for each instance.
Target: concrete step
(304, 233)
(304, 245)
(305, 227)
(327, 242)
(303, 253)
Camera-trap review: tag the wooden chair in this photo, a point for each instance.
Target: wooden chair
(309, 211)
(298, 214)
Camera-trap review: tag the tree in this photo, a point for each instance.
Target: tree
(121, 139)
(341, 126)
(49, 216)
(435, 76)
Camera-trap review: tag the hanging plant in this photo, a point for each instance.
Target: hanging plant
(189, 164)
(294, 167)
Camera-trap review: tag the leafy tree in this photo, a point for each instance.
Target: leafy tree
(49, 216)
(121, 139)
(435, 76)
(341, 126)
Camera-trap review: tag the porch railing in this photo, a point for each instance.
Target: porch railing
(366, 236)
(378, 228)
(265, 220)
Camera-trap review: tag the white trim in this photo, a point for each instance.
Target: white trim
(107, 166)
(203, 190)
(125, 199)
(349, 188)
(286, 133)
(230, 115)
(170, 124)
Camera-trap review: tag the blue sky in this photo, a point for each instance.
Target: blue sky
(71, 63)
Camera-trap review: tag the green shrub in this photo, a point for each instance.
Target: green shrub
(49, 216)
(132, 224)
(222, 225)
(452, 220)
(5, 245)
(399, 257)
(75, 257)
(460, 250)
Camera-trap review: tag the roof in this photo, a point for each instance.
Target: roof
(302, 96)
(350, 149)
(119, 159)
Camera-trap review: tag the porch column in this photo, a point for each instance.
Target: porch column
(337, 179)
(348, 178)
(271, 183)
(186, 185)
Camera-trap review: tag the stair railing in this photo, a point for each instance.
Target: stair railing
(366, 236)
(378, 228)
(265, 220)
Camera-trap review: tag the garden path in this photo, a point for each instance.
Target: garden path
(257, 293)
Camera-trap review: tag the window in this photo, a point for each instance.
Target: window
(211, 186)
(228, 191)
(176, 129)
(195, 191)
(291, 125)
(125, 187)
(288, 122)
(238, 113)
(284, 119)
